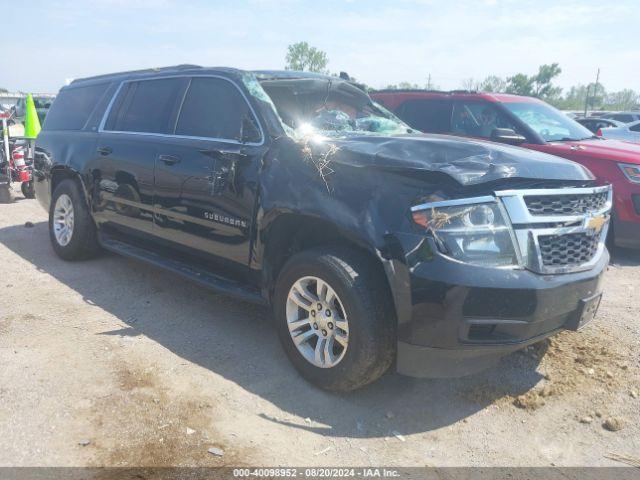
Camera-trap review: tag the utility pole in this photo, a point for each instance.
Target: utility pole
(595, 89)
(429, 82)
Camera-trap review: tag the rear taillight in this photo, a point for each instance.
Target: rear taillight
(599, 132)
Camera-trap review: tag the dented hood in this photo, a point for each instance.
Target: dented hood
(469, 162)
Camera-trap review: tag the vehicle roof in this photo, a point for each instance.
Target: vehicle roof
(291, 74)
(599, 119)
(626, 112)
(136, 73)
(187, 68)
(491, 97)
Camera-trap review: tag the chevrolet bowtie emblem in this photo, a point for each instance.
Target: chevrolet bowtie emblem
(596, 223)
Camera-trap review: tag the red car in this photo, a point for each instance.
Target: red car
(530, 123)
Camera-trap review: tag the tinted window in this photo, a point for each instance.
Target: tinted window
(594, 125)
(427, 115)
(148, 106)
(214, 108)
(72, 107)
(635, 128)
(622, 118)
(478, 119)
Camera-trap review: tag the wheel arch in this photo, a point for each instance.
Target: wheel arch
(293, 233)
(63, 172)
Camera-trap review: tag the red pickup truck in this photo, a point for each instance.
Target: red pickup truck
(529, 123)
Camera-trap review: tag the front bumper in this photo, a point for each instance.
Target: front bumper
(463, 318)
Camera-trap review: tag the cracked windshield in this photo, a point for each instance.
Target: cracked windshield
(330, 107)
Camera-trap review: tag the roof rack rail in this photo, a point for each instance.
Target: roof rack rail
(184, 66)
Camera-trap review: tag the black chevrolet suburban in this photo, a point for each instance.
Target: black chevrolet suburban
(372, 243)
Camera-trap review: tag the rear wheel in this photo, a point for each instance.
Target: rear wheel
(71, 228)
(333, 316)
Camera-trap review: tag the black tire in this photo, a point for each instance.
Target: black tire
(27, 189)
(366, 298)
(84, 242)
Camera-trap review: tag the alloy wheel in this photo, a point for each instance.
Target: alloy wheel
(63, 220)
(317, 322)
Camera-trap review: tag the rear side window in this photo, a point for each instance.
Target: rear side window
(622, 118)
(214, 108)
(432, 116)
(148, 106)
(73, 106)
(635, 128)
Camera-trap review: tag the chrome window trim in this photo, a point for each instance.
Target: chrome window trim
(189, 137)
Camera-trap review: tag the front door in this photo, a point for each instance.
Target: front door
(206, 175)
(142, 113)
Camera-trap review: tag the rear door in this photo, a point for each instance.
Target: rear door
(141, 113)
(206, 174)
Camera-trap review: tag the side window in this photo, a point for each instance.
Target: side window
(432, 116)
(622, 118)
(635, 128)
(73, 106)
(214, 108)
(478, 119)
(147, 106)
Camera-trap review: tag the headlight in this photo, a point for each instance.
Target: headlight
(473, 231)
(631, 171)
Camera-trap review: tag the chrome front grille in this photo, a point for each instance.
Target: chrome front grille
(565, 204)
(559, 230)
(571, 249)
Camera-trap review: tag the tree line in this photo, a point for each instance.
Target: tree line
(592, 95)
(302, 56)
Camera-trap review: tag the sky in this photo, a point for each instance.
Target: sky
(378, 42)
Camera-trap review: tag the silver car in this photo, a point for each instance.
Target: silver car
(629, 132)
(624, 117)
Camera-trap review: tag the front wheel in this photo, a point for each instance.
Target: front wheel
(334, 318)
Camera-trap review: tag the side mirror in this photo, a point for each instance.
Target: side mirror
(507, 135)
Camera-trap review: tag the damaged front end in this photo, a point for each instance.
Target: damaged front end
(487, 248)
(502, 271)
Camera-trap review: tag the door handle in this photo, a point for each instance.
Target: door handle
(169, 159)
(104, 150)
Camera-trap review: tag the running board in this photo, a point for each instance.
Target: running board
(201, 277)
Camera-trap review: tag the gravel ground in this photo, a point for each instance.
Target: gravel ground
(112, 362)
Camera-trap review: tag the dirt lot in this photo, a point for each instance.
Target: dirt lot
(112, 362)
